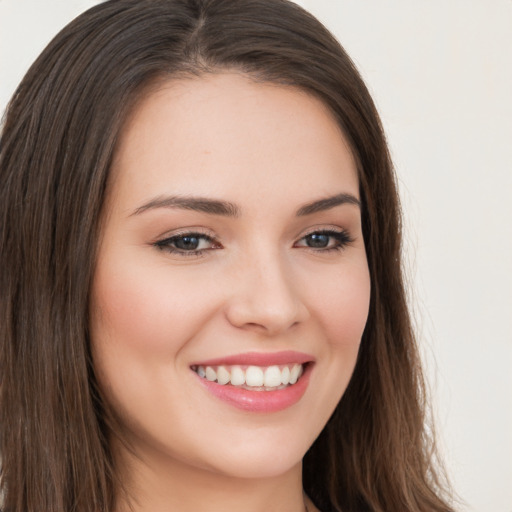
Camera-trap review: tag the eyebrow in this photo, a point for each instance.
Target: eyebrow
(198, 204)
(228, 209)
(328, 203)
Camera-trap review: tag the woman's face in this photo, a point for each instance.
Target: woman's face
(231, 252)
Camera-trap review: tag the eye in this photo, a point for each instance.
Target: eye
(325, 240)
(187, 244)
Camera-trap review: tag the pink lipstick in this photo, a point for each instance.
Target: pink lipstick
(257, 382)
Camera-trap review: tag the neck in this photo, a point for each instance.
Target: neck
(166, 485)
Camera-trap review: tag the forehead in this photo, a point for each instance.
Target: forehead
(225, 134)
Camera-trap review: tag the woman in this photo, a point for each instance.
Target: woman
(202, 299)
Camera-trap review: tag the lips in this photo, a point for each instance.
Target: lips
(257, 382)
(259, 359)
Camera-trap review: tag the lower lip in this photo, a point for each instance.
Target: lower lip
(260, 401)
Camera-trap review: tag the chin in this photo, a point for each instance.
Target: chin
(258, 465)
(263, 453)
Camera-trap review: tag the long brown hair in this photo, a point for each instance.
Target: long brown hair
(59, 135)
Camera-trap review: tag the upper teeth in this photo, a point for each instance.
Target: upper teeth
(252, 376)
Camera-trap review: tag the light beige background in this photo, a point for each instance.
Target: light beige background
(441, 74)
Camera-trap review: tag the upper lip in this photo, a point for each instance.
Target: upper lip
(259, 359)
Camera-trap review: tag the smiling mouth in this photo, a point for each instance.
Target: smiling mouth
(252, 378)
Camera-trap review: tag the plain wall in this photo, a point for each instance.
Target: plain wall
(441, 74)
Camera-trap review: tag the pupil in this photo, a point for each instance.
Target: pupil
(317, 240)
(187, 243)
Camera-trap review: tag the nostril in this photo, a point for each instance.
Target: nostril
(265, 316)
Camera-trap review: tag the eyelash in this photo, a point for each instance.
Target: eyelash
(341, 237)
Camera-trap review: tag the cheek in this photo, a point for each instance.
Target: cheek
(142, 317)
(340, 308)
(343, 308)
(143, 309)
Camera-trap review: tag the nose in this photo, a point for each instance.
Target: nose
(265, 298)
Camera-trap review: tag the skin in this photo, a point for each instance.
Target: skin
(258, 287)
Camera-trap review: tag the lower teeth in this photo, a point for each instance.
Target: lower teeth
(262, 388)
